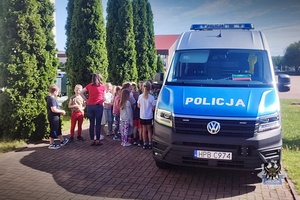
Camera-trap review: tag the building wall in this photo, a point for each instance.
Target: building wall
(61, 55)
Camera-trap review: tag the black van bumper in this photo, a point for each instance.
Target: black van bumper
(247, 153)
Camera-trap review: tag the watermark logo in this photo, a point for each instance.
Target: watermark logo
(271, 173)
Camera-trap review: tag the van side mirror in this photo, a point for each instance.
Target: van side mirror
(284, 83)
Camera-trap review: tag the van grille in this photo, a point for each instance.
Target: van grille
(233, 128)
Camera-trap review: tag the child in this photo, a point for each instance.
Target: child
(146, 103)
(137, 134)
(127, 86)
(107, 107)
(116, 113)
(140, 90)
(140, 87)
(126, 117)
(54, 113)
(77, 105)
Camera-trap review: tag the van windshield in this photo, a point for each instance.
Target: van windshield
(220, 67)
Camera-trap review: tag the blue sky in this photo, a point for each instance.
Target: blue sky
(279, 20)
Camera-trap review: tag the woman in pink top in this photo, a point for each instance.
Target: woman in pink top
(95, 99)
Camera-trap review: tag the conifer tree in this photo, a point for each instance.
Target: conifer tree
(112, 47)
(151, 41)
(47, 66)
(141, 39)
(120, 42)
(160, 65)
(70, 9)
(27, 67)
(86, 42)
(144, 39)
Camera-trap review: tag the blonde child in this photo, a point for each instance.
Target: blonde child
(140, 91)
(77, 105)
(126, 118)
(54, 119)
(146, 103)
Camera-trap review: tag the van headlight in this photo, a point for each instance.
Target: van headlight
(268, 122)
(163, 117)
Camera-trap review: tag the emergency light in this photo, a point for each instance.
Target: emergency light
(246, 26)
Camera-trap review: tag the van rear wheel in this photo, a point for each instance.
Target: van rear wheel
(162, 165)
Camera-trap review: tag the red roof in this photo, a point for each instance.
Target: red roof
(164, 42)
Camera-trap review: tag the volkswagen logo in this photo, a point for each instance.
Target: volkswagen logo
(213, 127)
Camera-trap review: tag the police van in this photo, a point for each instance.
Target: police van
(218, 106)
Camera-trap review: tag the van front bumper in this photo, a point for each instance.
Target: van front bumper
(247, 153)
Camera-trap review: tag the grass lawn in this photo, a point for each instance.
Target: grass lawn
(66, 123)
(291, 139)
(6, 146)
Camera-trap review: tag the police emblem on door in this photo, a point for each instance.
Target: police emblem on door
(213, 127)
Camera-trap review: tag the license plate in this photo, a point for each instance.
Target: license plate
(216, 155)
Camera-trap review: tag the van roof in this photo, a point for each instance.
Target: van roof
(222, 39)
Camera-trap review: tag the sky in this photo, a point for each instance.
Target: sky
(279, 20)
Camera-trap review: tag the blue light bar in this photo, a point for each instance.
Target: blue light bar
(221, 26)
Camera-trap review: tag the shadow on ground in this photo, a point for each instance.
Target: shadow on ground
(114, 171)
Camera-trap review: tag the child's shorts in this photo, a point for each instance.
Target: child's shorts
(146, 121)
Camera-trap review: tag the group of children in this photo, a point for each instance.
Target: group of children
(129, 108)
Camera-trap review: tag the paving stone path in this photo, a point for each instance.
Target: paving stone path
(110, 171)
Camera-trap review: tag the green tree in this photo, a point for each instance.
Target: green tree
(144, 39)
(47, 66)
(160, 65)
(141, 39)
(291, 57)
(277, 61)
(27, 67)
(70, 10)
(120, 42)
(151, 40)
(112, 47)
(86, 42)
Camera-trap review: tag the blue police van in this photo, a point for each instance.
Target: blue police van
(218, 105)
